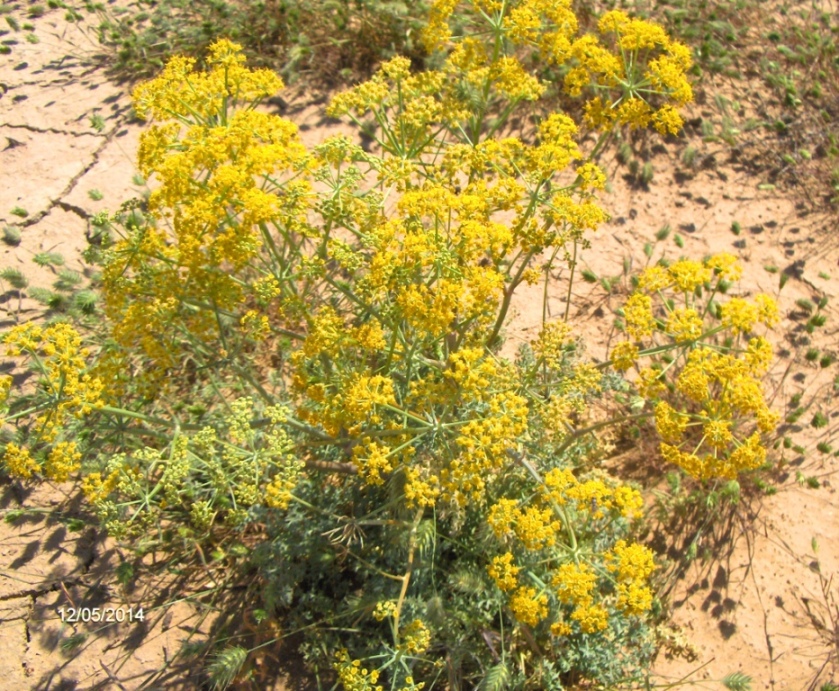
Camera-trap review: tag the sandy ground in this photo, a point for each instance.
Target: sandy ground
(758, 600)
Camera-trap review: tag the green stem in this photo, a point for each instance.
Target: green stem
(508, 296)
(669, 346)
(573, 266)
(600, 425)
(406, 579)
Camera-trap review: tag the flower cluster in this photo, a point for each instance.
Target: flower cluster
(66, 392)
(635, 73)
(354, 676)
(416, 638)
(632, 564)
(543, 535)
(710, 408)
(641, 81)
(216, 171)
(217, 472)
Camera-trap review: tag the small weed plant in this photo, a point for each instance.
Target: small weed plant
(303, 345)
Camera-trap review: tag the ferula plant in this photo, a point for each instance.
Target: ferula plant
(304, 344)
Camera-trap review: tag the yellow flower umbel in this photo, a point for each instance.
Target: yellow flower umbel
(640, 81)
(575, 583)
(534, 536)
(528, 606)
(504, 572)
(636, 74)
(66, 390)
(354, 676)
(63, 460)
(712, 422)
(222, 171)
(416, 638)
(633, 565)
(19, 463)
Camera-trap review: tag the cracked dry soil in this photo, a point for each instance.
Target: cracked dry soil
(758, 600)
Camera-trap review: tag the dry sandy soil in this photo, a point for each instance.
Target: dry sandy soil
(758, 599)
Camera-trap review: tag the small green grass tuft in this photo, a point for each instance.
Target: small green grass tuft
(11, 236)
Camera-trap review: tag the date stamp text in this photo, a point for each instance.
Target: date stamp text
(75, 615)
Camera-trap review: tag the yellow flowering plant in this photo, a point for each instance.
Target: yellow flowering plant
(699, 357)
(631, 72)
(339, 313)
(50, 414)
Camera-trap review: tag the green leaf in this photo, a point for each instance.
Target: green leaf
(805, 304)
(794, 416)
(467, 581)
(14, 515)
(731, 491)
(426, 537)
(42, 295)
(76, 525)
(692, 551)
(625, 153)
(125, 572)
